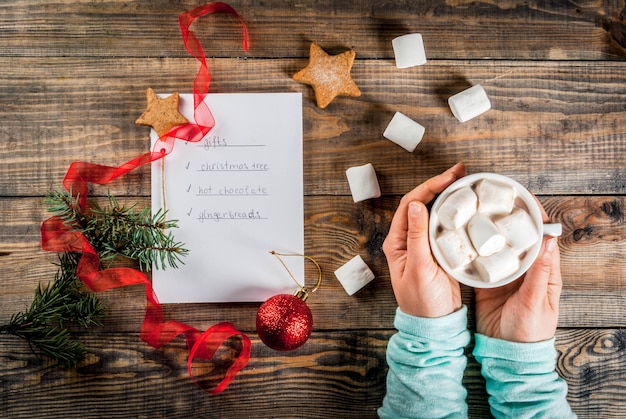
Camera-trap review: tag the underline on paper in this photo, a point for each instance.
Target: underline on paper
(238, 194)
(220, 219)
(229, 145)
(229, 195)
(233, 170)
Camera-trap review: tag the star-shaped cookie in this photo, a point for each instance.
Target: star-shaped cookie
(162, 114)
(329, 75)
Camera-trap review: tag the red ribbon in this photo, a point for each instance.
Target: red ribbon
(58, 237)
(202, 113)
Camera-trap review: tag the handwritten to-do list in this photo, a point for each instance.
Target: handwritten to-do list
(237, 195)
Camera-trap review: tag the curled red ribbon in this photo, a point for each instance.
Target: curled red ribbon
(57, 237)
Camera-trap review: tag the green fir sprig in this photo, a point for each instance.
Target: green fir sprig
(113, 231)
(116, 230)
(61, 302)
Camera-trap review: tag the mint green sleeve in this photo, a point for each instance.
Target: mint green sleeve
(426, 362)
(521, 379)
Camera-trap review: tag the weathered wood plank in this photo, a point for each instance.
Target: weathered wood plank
(339, 374)
(451, 29)
(74, 109)
(592, 249)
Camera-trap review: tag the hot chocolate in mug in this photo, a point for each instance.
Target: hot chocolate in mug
(486, 230)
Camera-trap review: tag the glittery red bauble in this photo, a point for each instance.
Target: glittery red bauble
(284, 322)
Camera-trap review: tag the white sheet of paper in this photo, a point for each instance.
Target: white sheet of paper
(237, 195)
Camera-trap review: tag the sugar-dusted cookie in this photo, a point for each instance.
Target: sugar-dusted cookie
(329, 75)
(162, 114)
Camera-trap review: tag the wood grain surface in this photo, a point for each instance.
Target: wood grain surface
(72, 82)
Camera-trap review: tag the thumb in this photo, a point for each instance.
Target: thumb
(540, 272)
(419, 258)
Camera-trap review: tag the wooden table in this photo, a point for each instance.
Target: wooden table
(72, 84)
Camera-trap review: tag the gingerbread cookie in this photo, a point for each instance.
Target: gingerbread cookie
(329, 75)
(162, 114)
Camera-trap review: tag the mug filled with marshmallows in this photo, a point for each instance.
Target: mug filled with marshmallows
(486, 230)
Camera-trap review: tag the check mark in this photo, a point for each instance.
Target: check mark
(189, 213)
(187, 166)
(189, 187)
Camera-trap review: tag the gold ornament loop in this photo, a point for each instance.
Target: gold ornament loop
(303, 292)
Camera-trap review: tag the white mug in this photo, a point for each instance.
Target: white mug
(523, 199)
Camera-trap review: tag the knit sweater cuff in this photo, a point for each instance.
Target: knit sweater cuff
(536, 352)
(432, 328)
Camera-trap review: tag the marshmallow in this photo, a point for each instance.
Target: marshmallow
(456, 248)
(519, 230)
(354, 275)
(409, 50)
(458, 208)
(495, 197)
(484, 235)
(469, 103)
(498, 266)
(405, 132)
(363, 182)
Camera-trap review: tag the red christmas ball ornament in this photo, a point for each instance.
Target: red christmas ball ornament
(284, 322)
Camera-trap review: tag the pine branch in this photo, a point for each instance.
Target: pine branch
(44, 324)
(52, 342)
(117, 230)
(112, 231)
(62, 205)
(140, 236)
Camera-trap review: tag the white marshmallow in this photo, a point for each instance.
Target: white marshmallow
(456, 248)
(363, 182)
(495, 197)
(498, 266)
(519, 230)
(409, 50)
(354, 275)
(469, 103)
(484, 235)
(405, 132)
(458, 208)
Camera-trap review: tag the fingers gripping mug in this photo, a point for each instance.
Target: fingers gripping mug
(485, 230)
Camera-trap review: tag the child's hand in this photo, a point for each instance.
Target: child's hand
(421, 287)
(526, 310)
